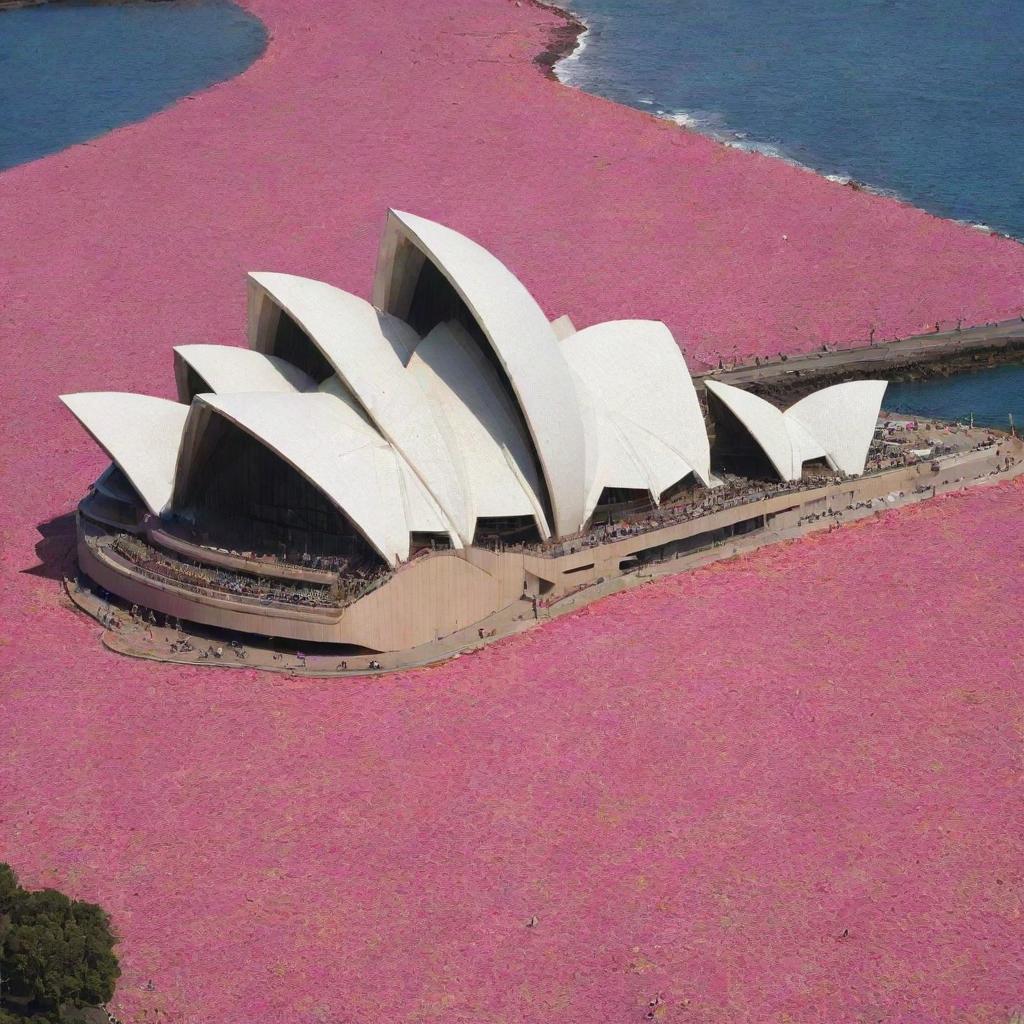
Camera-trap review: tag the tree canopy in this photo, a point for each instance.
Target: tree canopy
(55, 952)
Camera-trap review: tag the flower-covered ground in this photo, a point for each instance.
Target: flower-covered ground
(785, 788)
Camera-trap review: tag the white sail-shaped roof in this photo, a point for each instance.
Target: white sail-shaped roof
(333, 385)
(765, 424)
(368, 350)
(227, 368)
(650, 425)
(141, 434)
(836, 423)
(563, 327)
(320, 437)
(842, 419)
(522, 340)
(486, 431)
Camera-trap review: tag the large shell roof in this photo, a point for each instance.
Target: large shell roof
(523, 341)
(366, 348)
(358, 471)
(484, 430)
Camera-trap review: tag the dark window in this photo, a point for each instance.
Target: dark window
(294, 345)
(244, 497)
(734, 448)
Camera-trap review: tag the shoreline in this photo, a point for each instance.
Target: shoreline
(562, 41)
(689, 121)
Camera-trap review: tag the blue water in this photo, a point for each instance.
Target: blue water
(923, 99)
(920, 98)
(70, 72)
(989, 395)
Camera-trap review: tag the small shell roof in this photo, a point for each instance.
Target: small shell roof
(836, 423)
(140, 433)
(226, 368)
(842, 419)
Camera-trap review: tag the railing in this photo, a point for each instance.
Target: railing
(136, 553)
(671, 515)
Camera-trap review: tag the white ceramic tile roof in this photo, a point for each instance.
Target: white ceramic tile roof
(356, 468)
(836, 423)
(765, 424)
(486, 433)
(367, 349)
(618, 463)
(842, 419)
(524, 343)
(650, 422)
(141, 434)
(333, 385)
(563, 327)
(227, 368)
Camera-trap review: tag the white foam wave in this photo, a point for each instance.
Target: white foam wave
(711, 125)
(568, 71)
(567, 68)
(681, 118)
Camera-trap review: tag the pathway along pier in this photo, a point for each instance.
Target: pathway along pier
(924, 355)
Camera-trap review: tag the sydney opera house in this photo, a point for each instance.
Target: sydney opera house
(386, 474)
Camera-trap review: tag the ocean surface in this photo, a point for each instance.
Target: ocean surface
(918, 99)
(922, 99)
(72, 71)
(991, 396)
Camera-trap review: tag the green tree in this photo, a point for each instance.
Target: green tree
(55, 952)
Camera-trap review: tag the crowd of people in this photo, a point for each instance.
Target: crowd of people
(161, 565)
(893, 446)
(695, 504)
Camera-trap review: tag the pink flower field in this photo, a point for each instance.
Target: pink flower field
(780, 789)
(786, 788)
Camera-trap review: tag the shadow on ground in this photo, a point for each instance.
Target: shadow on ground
(55, 548)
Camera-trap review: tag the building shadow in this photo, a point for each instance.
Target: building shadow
(55, 548)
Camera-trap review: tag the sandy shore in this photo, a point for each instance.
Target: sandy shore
(774, 789)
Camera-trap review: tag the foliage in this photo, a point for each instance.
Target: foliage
(55, 952)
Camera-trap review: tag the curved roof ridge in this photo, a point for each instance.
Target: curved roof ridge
(520, 336)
